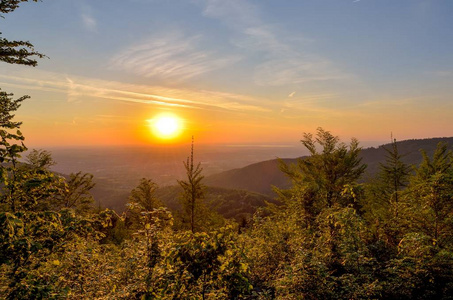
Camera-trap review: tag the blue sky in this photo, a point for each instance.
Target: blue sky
(235, 71)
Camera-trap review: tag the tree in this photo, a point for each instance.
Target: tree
(384, 195)
(394, 173)
(142, 201)
(76, 194)
(193, 190)
(7, 6)
(432, 196)
(40, 159)
(143, 197)
(11, 145)
(312, 245)
(12, 51)
(326, 178)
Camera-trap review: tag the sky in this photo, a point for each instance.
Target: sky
(233, 71)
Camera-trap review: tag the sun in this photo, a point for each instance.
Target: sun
(166, 126)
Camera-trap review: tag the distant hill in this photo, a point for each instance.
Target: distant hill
(260, 177)
(241, 191)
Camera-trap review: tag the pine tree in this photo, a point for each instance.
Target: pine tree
(142, 201)
(394, 172)
(385, 192)
(326, 178)
(432, 196)
(193, 190)
(144, 197)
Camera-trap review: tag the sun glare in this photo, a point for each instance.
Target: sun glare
(166, 126)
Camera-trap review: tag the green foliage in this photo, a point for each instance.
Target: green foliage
(195, 215)
(432, 197)
(9, 129)
(12, 51)
(385, 202)
(143, 197)
(330, 238)
(7, 6)
(76, 193)
(11, 145)
(29, 242)
(142, 201)
(333, 238)
(394, 173)
(320, 180)
(203, 266)
(40, 159)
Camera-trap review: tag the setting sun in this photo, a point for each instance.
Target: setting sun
(166, 126)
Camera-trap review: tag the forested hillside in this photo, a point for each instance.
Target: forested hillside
(260, 177)
(330, 236)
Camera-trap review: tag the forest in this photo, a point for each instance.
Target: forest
(330, 235)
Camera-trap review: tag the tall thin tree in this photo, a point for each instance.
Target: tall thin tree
(193, 189)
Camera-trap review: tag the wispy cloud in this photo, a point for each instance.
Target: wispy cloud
(440, 73)
(87, 18)
(309, 100)
(78, 88)
(89, 22)
(172, 56)
(308, 103)
(282, 62)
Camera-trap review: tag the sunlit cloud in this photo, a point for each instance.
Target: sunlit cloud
(80, 88)
(172, 56)
(283, 63)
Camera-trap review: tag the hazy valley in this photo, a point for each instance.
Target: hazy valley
(254, 170)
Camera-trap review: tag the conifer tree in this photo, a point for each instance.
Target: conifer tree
(193, 190)
(394, 172)
(432, 196)
(384, 203)
(142, 201)
(144, 197)
(327, 177)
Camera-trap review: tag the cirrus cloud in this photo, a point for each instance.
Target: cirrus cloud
(172, 56)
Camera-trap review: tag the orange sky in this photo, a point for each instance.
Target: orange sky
(236, 72)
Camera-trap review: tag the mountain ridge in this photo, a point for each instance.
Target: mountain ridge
(260, 177)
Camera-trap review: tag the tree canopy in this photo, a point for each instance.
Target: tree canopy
(17, 51)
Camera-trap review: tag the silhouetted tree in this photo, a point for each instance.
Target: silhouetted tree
(12, 51)
(40, 159)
